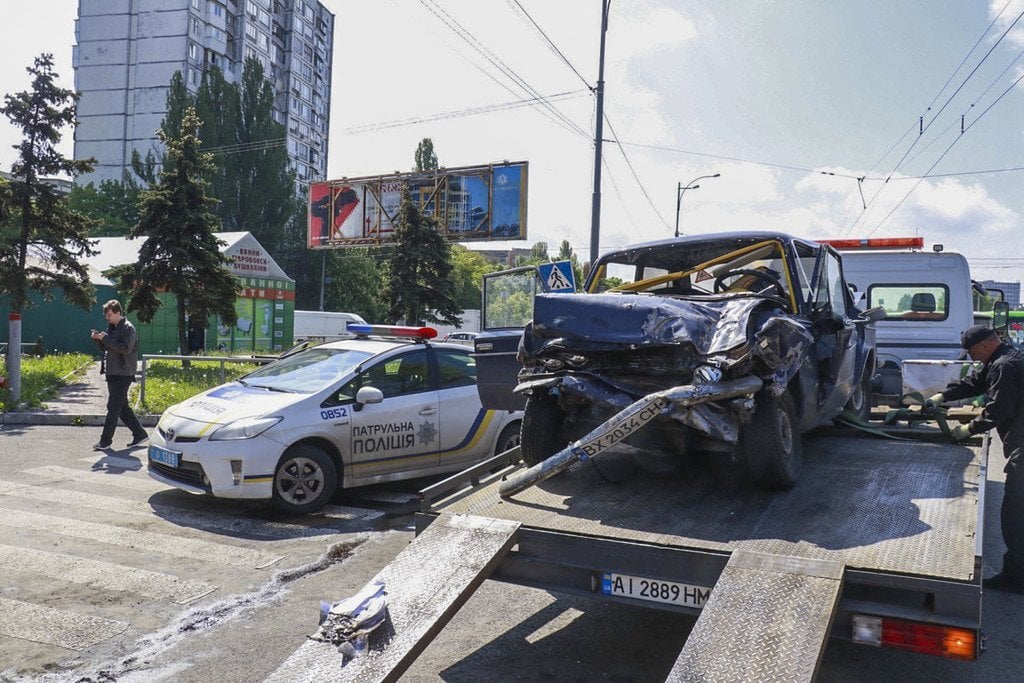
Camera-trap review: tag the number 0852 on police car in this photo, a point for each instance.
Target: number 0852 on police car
(638, 587)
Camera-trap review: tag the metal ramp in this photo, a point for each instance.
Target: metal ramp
(426, 585)
(767, 619)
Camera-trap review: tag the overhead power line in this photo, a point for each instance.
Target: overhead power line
(550, 42)
(472, 111)
(615, 139)
(467, 36)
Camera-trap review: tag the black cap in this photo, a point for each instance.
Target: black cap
(975, 334)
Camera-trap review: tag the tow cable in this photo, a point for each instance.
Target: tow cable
(936, 414)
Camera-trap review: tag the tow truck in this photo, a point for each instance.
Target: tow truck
(878, 542)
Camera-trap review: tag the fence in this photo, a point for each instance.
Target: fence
(197, 359)
(25, 346)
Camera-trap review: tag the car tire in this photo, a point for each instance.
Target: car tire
(543, 421)
(509, 438)
(305, 480)
(860, 401)
(772, 445)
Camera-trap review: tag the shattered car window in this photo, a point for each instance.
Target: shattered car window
(702, 270)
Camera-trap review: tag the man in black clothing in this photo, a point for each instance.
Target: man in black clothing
(120, 347)
(1001, 380)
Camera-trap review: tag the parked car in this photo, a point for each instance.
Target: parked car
(463, 338)
(337, 415)
(759, 329)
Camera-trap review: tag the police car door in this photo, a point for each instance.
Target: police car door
(399, 435)
(467, 429)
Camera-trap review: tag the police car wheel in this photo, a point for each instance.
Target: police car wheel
(305, 480)
(508, 439)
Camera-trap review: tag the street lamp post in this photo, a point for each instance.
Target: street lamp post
(680, 189)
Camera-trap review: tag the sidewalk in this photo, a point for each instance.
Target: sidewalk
(82, 403)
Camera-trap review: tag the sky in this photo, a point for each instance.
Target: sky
(790, 101)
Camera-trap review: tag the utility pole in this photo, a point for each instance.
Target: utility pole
(595, 207)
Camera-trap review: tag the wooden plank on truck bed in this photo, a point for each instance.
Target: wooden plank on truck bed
(426, 584)
(767, 619)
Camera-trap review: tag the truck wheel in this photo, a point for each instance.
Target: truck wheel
(860, 401)
(542, 429)
(305, 480)
(772, 443)
(508, 439)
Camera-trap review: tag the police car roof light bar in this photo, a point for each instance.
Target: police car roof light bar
(361, 330)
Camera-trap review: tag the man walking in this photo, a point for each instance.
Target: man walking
(1001, 380)
(120, 346)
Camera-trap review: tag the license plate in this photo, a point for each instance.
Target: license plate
(685, 594)
(162, 455)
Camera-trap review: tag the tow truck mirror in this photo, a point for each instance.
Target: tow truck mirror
(873, 315)
(368, 395)
(1001, 319)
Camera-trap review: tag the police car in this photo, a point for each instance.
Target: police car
(384, 406)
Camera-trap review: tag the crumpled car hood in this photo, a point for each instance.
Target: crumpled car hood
(603, 321)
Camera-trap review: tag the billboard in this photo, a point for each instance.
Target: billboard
(473, 203)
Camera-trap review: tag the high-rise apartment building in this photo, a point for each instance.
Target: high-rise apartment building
(127, 51)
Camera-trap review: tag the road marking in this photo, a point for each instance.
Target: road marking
(133, 538)
(63, 628)
(122, 481)
(104, 575)
(204, 519)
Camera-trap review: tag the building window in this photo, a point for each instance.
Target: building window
(264, 17)
(251, 9)
(195, 25)
(193, 51)
(264, 41)
(195, 4)
(251, 32)
(217, 9)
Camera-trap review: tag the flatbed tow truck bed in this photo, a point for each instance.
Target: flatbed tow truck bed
(878, 537)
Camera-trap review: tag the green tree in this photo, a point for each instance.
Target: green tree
(262, 198)
(538, 255)
(418, 284)
(566, 253)
(113, 206)
(216, 103)
(356, 284)
(42, 222)
(468, 269)
(426, 158)
(180, 253)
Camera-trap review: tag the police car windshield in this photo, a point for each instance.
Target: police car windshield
(308, 371)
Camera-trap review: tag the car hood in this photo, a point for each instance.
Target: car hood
(230, 402)
(603, 321)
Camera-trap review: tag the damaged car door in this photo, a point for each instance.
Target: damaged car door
(836, 339)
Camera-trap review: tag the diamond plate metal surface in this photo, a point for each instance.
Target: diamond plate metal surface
(907, 507)
(766, 620)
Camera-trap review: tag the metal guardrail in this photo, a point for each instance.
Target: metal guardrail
(24, 345)
(197, 359)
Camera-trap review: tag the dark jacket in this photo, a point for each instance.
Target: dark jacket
(120, 349)
(1001, 380)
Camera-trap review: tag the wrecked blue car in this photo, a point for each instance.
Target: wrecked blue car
(736, 343)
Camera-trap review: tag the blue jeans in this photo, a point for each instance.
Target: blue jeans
(118, 407)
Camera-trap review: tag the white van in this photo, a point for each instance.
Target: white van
(323, 326)
(926, 296)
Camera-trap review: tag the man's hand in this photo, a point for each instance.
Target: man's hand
(934, 400)
(960, 433)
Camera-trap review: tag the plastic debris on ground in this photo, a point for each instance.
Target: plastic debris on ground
(349, 623)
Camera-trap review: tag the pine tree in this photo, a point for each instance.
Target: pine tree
(41, 221)
(418, 284)
(180, 253)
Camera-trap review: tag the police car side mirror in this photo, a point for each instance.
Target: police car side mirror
(368, 395)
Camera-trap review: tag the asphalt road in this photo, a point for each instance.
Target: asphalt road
(108, 575)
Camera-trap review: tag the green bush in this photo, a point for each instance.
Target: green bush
(168, 383)
(42, 377)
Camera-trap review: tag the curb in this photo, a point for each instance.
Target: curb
(56, 419)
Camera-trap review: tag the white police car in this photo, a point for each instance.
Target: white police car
(337, 415)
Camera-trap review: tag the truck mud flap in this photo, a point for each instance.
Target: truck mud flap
(767, 619)
(426, 585)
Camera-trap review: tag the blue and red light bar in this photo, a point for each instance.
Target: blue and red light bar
(362, 330)
(876, 243)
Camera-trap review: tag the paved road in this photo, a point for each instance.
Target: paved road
(109, 575)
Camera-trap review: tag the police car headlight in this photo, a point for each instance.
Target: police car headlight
(244, 429)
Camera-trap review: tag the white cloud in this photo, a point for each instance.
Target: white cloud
(1012, 11)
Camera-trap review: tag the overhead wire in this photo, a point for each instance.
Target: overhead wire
(467, 36)
(622, 150)
(550, 42)
(932, 103)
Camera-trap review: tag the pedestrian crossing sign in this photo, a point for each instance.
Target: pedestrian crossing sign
(557, 277)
